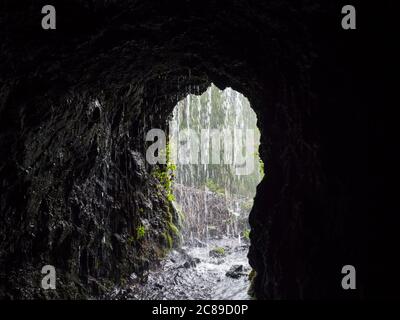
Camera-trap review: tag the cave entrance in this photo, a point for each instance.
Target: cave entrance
(213, 142)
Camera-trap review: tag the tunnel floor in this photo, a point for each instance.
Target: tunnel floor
(191, 273)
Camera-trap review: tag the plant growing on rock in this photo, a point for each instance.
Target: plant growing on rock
(252, 278)
(130, 240)
(246, 234)
(173, 228)
(217, 252)
(165, 174)
(140, 232)
(168, 239)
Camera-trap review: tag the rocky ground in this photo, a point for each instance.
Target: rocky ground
(194, 273)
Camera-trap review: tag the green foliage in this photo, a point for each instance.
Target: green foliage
(165, 174)
(140, 232)
(173, 228)
(181, 215)
(131, 240)
(246, 234)
(170, 197)
(252, 274)
(219, 250)
(212, 186)
(261, 168)
(252, 278)
(246, 205)
(168, 239)
(171, 232)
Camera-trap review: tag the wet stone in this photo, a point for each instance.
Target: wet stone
(236, 271)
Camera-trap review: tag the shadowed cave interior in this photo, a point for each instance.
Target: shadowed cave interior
(75, 107)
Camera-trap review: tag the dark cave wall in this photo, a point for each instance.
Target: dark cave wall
(75, 106)
(75, 188)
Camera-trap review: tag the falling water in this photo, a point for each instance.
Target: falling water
(215, 201)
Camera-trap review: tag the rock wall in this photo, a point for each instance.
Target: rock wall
(75, 190)
(75, 104)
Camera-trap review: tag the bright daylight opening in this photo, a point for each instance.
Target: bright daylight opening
(215, 139)
(212, 171)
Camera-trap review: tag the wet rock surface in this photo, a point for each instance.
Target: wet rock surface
(236, 271)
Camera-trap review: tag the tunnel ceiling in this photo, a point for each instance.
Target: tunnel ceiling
(76, 102)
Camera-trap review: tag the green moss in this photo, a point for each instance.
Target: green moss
(246, 234)
(170, 197)
(261, 168)
(173, 228)
(165, 174)
(217, 252)
(171, 232)
(140, 232)
(252, 279)
(220, 250)
(246, 205)
(130, 240)
(169, 214)
(123, 281)
(214, 187)
(252, 274)
(180, 212)
(168, 239)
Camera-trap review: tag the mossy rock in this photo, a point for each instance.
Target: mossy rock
(252, 277)
(217, 252)
(168, 240)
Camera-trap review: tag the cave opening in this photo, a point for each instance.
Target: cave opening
(213, 168)
(77, 193)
